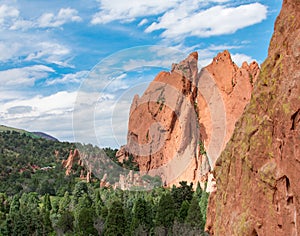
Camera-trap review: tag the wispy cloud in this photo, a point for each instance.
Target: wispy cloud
(202, 18)
(25, 76)
(64, 16)
(129, 10)
(8, 50)
(49, 52)
(143, 22)
(7, 13)
(217, 20)
(24, 47)
(10, 18)
(69, 78)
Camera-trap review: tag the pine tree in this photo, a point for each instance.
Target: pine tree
(203, 206)
(183, 211)
(45, 213)
(114, 225)
(64, 203)
(98, 203)
(198, 191)
(85, 222)
(79, 190)
(84, 216)
(141, 216)
(65, 222)
(182, 193)
(47, 203)
(194, 216)
(15, 205)
(166, 211)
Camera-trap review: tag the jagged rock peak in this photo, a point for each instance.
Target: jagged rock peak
(194, 55)
(223, 57)
(172, 100)
(188, 67)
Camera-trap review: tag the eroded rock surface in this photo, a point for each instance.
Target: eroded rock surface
(180, 125)
(76, 158)
(257, 174)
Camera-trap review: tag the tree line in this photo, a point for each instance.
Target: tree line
(93, 211)
(37, 202)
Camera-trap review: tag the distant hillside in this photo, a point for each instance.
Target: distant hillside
(45, 136)
(21, 131)
(23, 159)
(29, 163)
(30, 134)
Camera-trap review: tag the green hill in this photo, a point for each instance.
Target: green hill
(21, 131)
(22, 157)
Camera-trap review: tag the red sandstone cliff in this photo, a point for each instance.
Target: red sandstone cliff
(183, 109)
(257, 175)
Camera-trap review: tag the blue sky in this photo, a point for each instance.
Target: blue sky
(49, 48)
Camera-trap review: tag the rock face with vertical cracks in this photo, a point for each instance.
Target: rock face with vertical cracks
(185, 113)
(258, 174)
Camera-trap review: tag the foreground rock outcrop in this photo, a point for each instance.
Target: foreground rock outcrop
(257, 175)
(180, 125)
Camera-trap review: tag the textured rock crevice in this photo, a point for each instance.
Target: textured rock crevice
(257, 175)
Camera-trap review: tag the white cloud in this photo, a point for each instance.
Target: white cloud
(41, 113)
(117, 83)
(181, 19)
(64, 16)
(10, 18)
(128, 10)
(143, 22)
(223, 47)
(25, 76)
(22, 25)
(8, 50)
(240, 58)
(217, 20)
(23, 39)
(22, 46)
(55, 104)
(7, 13)
(50, 52)
(69, 78)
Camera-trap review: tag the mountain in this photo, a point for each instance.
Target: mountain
(257, 175)
(44, 135)
(179, 126)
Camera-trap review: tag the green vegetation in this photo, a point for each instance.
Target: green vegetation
(36, 201)
(202, 148)
(4, 128)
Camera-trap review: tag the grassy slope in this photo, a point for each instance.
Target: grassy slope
(4, 128)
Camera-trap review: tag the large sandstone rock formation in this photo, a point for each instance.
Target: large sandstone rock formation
(76, 158)
(258, 174)
(180, 125)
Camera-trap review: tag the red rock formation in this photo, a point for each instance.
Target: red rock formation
(72, 158)
(182, 109)
(75, 157)
(257, 175)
